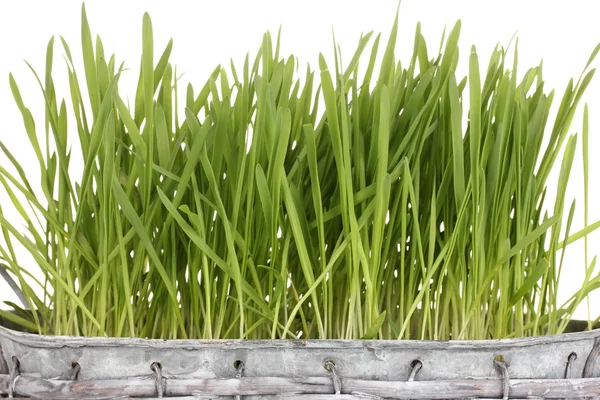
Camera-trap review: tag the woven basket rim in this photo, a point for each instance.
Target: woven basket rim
(59, 341)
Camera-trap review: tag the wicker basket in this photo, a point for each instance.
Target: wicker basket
(560, 366)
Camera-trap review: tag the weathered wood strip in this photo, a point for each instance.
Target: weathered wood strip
(592, 361)
(3, 365)
(105, 359)
(261, 386)
(41, 341)
(274, 397)
(298, 397)
(304, 397)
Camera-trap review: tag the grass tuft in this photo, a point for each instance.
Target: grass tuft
(260, 215)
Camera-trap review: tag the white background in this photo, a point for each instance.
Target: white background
(207, 33)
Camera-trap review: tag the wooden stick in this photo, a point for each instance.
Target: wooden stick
(273, 397)
(259, 386)
(296, 397)
(548, 388)
(292, 397)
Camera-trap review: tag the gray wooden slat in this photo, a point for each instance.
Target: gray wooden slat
(109, 358)
(487, 388)
(3, 365)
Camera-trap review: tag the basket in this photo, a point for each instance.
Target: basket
(559, 366)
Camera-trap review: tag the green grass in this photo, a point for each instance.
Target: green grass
(260, 215)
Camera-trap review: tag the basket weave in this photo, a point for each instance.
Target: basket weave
(560, 366)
